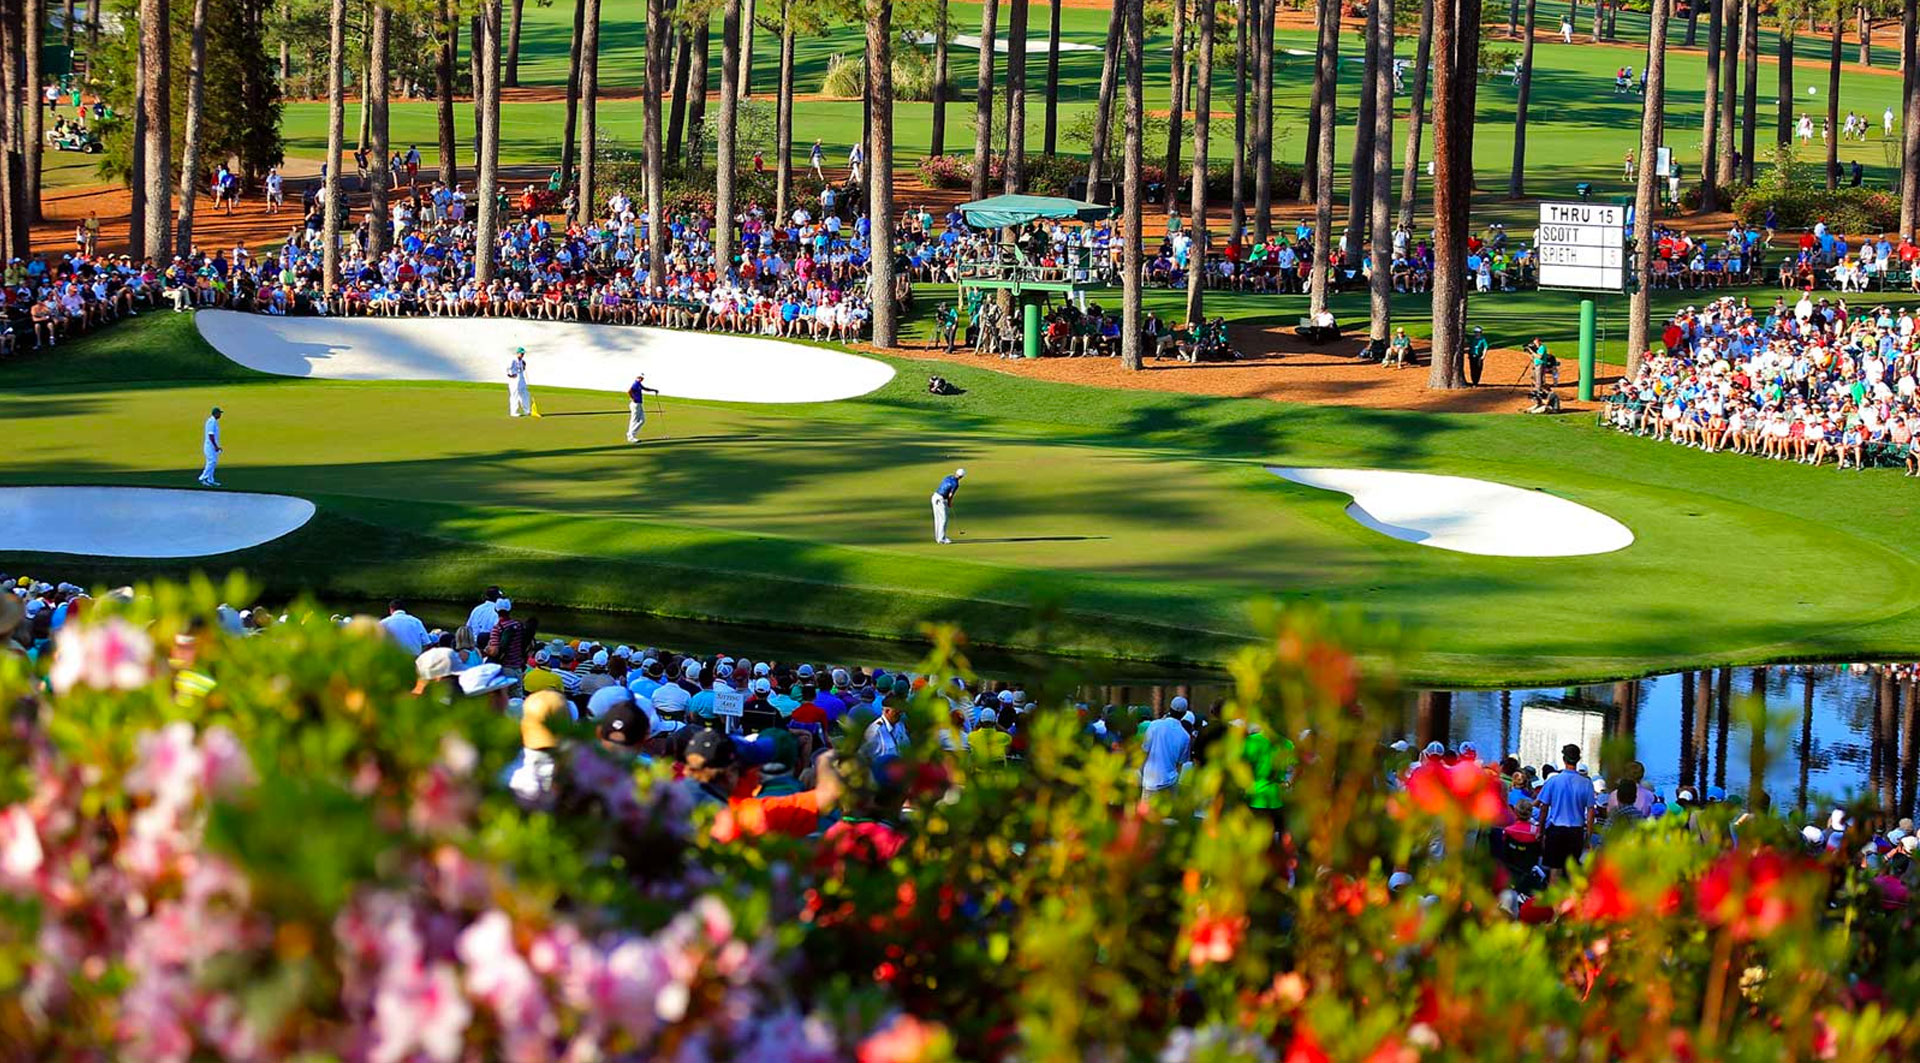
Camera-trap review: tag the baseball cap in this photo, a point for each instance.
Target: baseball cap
(623, 724)
(805, 672)
(762, 686)
(606, 698)
(710, 749)
(1180, 704)
(960, 473)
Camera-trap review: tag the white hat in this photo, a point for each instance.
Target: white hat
(762, 686)
(600, 659)
(760, 669)
(1398, 881)
(1434, 749)
(1400, 746)
(1188, 719)
(1467, 750)
(989, 716)
(1179, 704)
(690, 668)
(840, 677)
(623, 651)
(1812, 834)
(960, 474)
(436, 663)
(484, 679)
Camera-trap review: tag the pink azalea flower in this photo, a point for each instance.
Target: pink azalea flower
(225, 766)
(20, 852)
(419, 1012)
(904, 1040)
(110, 655)
(169, 768)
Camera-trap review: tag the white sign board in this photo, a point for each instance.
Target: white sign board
(729, 702)
(1546, 729)
(1582, 245)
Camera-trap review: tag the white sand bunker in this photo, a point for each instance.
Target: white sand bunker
(560, 354)
(143, 521)
(1467, 515)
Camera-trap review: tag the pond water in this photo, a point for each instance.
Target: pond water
(1836, 731)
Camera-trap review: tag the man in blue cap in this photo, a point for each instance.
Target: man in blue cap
(943, 504)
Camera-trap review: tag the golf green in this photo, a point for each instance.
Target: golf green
(1117, 523)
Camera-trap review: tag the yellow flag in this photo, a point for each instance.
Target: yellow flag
(533, 407)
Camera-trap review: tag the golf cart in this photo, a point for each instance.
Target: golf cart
(74, 138)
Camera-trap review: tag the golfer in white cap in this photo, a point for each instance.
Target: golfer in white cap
(943, 503)
(519, 402)
(210, 448)
(636, 406)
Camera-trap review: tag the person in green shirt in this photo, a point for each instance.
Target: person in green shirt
(1476, 355)
(1271, 762)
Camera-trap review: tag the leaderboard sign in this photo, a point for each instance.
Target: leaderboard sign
(1582, 245)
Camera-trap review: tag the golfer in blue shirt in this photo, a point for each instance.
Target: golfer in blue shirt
(1566, 811)
(636, 406)
(943, 503)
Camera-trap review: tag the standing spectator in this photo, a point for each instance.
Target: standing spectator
(1566, 812)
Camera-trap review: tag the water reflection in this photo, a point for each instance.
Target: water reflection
(1838, 730)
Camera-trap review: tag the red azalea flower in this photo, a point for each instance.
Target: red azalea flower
(1605, 899)
(1393, 1050)
(1465, 790)
(1305, 1048)
(1215, 939)
(1751, 893)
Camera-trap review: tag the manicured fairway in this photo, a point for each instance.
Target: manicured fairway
(1124, 523)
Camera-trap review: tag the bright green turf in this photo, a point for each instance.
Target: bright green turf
(1578, 130)
(815, 516)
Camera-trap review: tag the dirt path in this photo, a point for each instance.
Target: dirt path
(1280, 366)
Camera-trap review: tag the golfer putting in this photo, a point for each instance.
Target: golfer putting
(943, 504)
(519, 400)
(637, 406)
(210, 448)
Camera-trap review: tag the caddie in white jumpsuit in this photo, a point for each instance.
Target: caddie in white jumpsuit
(943, 503)
(519, 402)
(210, 448)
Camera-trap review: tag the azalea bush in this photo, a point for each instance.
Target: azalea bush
(294, 857)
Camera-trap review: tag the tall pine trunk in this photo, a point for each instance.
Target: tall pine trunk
(1729, 89)
(726, 166)
(1050, 137)
(156, 44)
(570, 130)
(1133, 178)
(1909, 129)
(1380, 290)
(1178, 97)
(476, 40)
(1783, 92)
(1310, 163)
(1416, 116)
(983, 100)
(33, 135)
(1103, 103)
(1263, 119)
(486, 227)
(1360, 166)
(681, 45)
(1865, 25)
(1237, 221)
(1710, 122)
(513, 45)
(589, 110)
(1750, 91)
(15, 235)
(194, 133)
(1016, 165)
(697, 91)
(937, 144)
(1517, 177)
(136, 166)
(886, 329)
(334, 187)
(783, 121)
(1456, 44)
(655, 150)
(1323, 151)
(743, 81)
(1197, 180)
(443, 88)
(1653, 115)
(1833, 107)
(381, 177)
